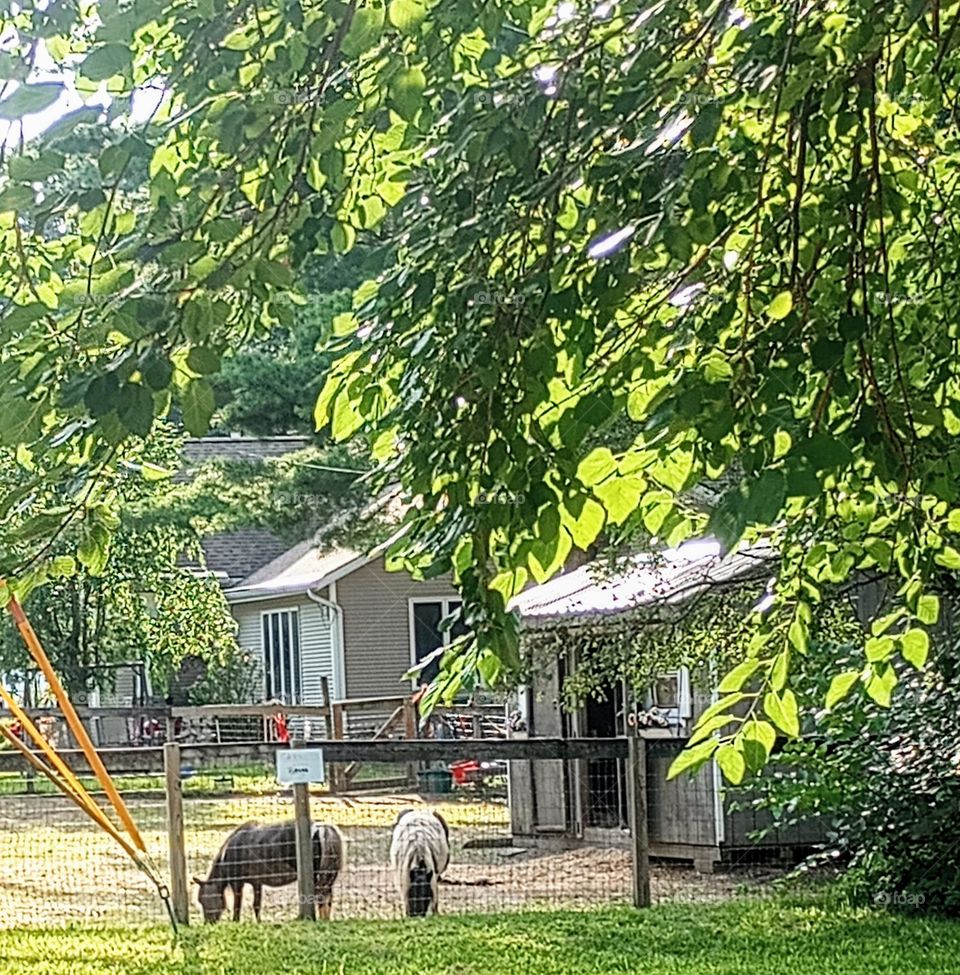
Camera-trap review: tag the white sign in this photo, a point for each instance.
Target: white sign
(299, 765)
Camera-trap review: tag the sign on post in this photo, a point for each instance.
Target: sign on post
(300, 766)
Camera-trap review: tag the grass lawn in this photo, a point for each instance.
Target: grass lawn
(775, 937)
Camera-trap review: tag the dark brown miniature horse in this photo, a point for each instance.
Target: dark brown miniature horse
(266, 856)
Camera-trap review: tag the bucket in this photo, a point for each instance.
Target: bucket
(435, 781)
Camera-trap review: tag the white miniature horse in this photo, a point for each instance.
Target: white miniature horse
(419, 854)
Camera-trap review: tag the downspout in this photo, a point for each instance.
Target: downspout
(338, 660)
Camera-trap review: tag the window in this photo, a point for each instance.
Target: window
(430, 630)
(670, 695)
(281, 656)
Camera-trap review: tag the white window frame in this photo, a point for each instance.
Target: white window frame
(683, 712)
(286, 681)
(445, 610)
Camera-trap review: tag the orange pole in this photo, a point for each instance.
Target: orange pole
(76, 726)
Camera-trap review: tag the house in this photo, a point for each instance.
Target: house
(338, 614)
(691, 818)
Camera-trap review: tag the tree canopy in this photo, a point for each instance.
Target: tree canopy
(733, 226)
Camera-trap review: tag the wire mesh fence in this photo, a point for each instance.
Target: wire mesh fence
(523, 834)
(489, 867)
(57, 867)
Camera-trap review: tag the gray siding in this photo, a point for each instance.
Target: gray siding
(316, 640)
(376, 626)
(682, 810)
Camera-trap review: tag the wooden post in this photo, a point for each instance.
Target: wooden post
(410, 733)
(637, 800)
(328, 717)
(336, 778)
(179, 897)
(305, 886)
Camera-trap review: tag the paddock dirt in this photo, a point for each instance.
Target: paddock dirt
(56, 867)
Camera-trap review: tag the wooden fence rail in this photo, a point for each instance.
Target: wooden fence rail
(199, 756)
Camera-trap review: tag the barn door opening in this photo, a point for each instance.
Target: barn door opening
(606, 782)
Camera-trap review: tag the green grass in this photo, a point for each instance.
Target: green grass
(245, 779)
(776, 937)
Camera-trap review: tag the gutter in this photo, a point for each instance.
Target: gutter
(338, 661)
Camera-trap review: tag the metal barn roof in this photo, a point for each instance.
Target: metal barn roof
(665, 578)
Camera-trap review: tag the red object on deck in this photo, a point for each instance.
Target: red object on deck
(464, 772)
(283, 733)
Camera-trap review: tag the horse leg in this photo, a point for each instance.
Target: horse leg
(323, 898)
(257, 899)
(237, 900)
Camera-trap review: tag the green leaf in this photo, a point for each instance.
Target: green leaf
(93, 550)
(346, 418)
(106, 61)
(880, 685)
(28, 169)
(620, 496)
(782, 711)
(928, 609)
(274, 273)
(365, 30)
(549, 555)
(342, 237)
(406, 15)
(797, 634)
(780, 670)
(693, 758)
(915, 647)
(198, 403)
(135, 409)
(63, 566)
(157, 372)
(28, 99)
(406, 93)
(203, 360)
(112, 161)
(738, 676)
(879, 648)
(707, 727)
(852, 327)
(763, 734)
(781, 306)
(840, 687)
(20, 421)
(345, 323)
(704, 130)
(598, 465)
(731, 762)
(585, 527)
(948, 557)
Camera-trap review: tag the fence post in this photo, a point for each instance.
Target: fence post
(179, 897)
(336, 774)
(305, 886)
(410, 733)
(637, 800)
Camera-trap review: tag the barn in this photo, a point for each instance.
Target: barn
(689, 818)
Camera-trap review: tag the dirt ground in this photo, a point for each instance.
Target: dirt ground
(55, 867)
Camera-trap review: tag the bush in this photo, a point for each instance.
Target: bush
(886, 781)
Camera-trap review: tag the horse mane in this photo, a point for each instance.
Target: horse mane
(419, 853)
